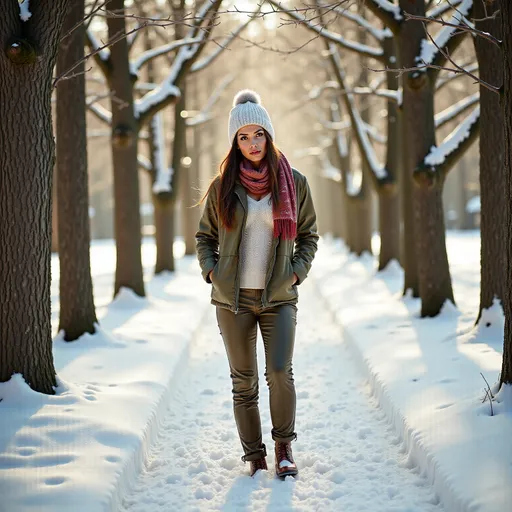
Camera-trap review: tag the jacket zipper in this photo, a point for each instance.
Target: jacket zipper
(237, 277)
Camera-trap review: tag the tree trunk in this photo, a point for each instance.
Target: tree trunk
(26, 163)
(409, 42)
(389, 207)
(127, 225)
(493, 196)
(164, 215)
(362, 217)
(55, 214)
(432, 271)
(77, 314)
(389, 227)
(364, 204)
(506, 26)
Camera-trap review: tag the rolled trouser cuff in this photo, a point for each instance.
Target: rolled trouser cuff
(258, 454)
(287, 439)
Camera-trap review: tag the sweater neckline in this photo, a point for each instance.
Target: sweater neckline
(249, 198)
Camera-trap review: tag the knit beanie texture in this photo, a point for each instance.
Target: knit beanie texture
(247, 109)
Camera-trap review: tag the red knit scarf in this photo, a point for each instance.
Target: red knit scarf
(257, 181)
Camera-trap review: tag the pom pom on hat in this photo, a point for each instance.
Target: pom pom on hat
(247, 109)
(246, 95)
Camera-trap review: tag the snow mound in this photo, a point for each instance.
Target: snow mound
(128, 299)
(16, 391)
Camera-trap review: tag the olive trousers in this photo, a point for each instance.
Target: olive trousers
(277, 326)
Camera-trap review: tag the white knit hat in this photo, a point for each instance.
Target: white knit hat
(247, 109)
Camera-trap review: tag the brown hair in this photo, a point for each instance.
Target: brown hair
(228, 172)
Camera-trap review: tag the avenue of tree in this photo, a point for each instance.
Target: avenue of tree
(149, 61)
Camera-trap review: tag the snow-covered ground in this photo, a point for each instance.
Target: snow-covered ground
(349, 458)
(389, 412)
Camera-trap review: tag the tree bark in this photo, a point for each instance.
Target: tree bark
(493, 196)
(506, 26)
(389, 207)
(364, 206)
(55, 214)
(127, 224)
(164, 216)
(433, 272)
(361, 212)
(77, 314)
(26, 162)
(409, 40)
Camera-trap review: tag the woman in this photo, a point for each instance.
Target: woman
(256, 241)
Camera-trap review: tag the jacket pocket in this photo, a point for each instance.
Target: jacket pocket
(223, 280)
(280, 287)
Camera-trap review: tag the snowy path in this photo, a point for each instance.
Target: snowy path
(348, 456)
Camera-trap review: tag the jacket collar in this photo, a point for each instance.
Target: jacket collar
(242, 194)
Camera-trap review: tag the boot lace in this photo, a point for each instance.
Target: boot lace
(284, 452)
(259, 464)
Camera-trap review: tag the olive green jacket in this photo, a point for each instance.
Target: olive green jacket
(218, 249)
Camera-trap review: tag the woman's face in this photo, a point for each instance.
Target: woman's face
(252, 143)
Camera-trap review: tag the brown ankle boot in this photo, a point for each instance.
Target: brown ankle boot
(258, 464)
(285, 465)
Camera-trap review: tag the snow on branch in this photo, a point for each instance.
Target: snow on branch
(162, 173)
(341, 140)
(430, 48)
(316, 91)
(362, 49)
(100, 112)
(100, 53)
(379, 173)
(378, 33)
(444, 155)
(390, 14)
(393, 95)
(168, 91)
(144, 163)
(452, 112)
(374, 134)
(442, 8)
(149, 55)
(25, 13)
(328, 170)
(206, 114)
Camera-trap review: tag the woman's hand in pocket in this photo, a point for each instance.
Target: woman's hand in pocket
(295, 278)
(210, 276)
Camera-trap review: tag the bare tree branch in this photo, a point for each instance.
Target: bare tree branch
(378, 33)
(361, 49)
(462, 27)
(379, 174)
(442, 158)
(445, 53)
(100, 112)
(206, 61)
(167, 92)
(452, 112)
(468, 68)
(149, 55)
(441, 8)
